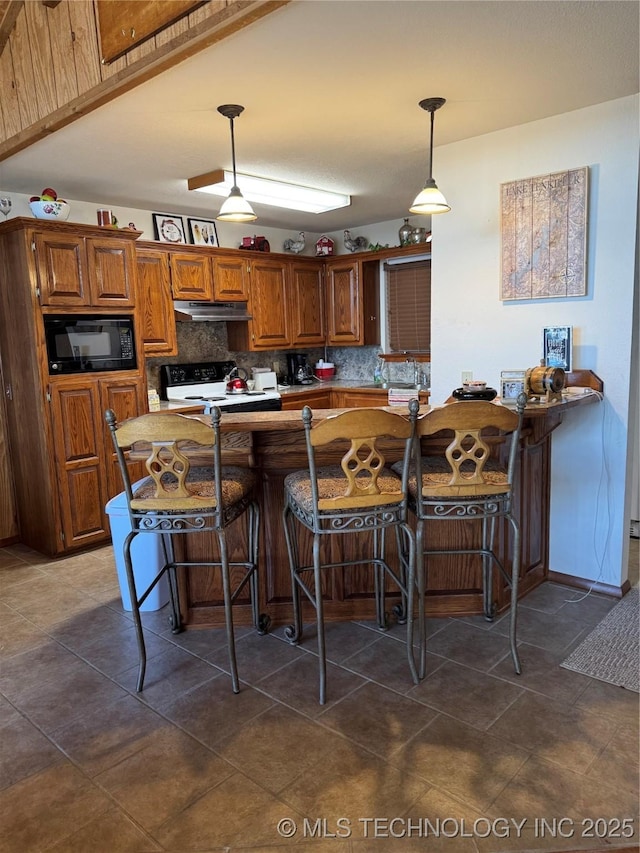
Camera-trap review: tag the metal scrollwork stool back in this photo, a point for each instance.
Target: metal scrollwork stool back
(179, 498)
(469, 482)
(359, 494)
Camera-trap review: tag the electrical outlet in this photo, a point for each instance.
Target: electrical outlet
(467, 375)
(276, 367)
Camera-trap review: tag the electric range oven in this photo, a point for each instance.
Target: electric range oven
(205, 383)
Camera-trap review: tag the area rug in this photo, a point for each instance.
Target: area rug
(611, 652)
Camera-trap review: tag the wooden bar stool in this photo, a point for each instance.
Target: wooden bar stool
(178, 498)
(360, 494)
(472, 480)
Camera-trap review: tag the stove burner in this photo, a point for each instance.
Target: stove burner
(214, 399)
(194, 397)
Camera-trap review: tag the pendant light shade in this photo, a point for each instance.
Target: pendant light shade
(235, 208)
(430, 200)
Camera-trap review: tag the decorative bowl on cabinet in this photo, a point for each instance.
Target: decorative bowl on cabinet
(50, 210)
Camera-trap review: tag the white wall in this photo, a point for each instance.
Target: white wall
(474, 330)
(229, 235)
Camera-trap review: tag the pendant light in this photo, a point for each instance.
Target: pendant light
(430, 200)
(235, 208)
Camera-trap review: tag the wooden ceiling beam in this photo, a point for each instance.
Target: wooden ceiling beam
(233, 18)
(9, 11)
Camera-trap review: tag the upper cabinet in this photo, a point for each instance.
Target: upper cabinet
(191, 276)
(231, 278)
(293, 301)
(306, 306)
(345, 317)
(76, 271)
(353, 301)
(269, 308)
(154, 302)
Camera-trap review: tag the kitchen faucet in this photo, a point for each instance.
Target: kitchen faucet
(416, 369)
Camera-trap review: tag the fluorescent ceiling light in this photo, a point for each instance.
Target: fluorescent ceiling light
(266, 191)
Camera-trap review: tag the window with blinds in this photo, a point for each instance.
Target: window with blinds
(409, 306)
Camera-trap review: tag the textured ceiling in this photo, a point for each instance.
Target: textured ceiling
(331, 93)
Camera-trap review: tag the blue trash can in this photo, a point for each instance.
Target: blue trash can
(147, 557)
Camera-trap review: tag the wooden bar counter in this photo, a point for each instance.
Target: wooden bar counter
(273, 443)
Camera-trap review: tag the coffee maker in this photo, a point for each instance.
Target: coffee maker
(298, 370)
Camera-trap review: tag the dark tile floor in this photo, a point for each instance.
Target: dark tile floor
(473, 759)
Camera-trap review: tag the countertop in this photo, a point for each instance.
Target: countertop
(287, 390)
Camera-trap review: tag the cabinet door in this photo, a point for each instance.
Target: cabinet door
(127, 399)
(351, 398)
(62, 270)
(306, 304)
(191, 277)
(344, 304)
(79, 458)
(230, 279)
(112, 270)
(320, 399)
(156, 321)
(269, 328)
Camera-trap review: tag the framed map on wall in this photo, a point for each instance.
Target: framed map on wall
(543, 227)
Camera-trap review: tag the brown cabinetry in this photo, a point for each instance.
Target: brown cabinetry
(76, 271)
(318, 398)
(307, 314)
(86, 467)
(353, 293)
(268, 304)
(230, 278)
(286, 305)
(344, 303)
(60, 450)
(156, 321)
(191, 276)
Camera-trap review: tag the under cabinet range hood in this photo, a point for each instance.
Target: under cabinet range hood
(188, 312)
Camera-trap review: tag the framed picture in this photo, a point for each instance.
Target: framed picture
(511, 385)
(202, 232)
(556, 347)
(543, 227)
(168, 228)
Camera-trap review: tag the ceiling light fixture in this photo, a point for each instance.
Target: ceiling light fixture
(268, 191)
(430, 200)
(235, 208)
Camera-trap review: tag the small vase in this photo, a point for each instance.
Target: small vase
(405, 233)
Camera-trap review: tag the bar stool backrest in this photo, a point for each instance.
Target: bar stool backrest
(466, 472)
(363, 462)
(165, 437)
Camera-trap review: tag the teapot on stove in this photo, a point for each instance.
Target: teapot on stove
(237, 381)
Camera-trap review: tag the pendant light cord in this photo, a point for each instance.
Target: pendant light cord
(233, 152)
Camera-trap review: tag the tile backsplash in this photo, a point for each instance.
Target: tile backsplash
(204, 341)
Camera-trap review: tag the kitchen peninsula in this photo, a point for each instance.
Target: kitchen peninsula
(274, 443)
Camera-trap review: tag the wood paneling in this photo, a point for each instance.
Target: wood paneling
(42, 58)
(23, 72)
(42, 89)
(123, 24)
(62, 47)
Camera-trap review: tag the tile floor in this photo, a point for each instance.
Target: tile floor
(473, 759)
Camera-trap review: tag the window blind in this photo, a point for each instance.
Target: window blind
(409, 306)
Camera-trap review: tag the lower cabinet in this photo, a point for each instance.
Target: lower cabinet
(317, 399)
(85, 465)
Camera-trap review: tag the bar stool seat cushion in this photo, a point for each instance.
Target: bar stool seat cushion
(332, 484)
(237, 483)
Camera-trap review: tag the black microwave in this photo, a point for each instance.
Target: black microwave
(85, 343)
